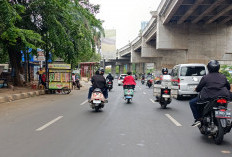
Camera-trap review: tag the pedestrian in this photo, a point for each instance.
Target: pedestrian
(73, 80)
(40, 73)
(43, 80)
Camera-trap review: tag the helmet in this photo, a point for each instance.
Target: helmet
(165, 71)
(97, 72)
(109, 73)
(128, 73)
(213, 66)
(102, 71)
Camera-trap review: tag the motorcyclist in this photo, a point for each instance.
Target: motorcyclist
(143, 76)
(98, 81)
(129, 80)
(164, 72)
(110, 77)
(104, 91)
(211, 86)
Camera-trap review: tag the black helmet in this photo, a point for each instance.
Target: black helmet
(213, 66)
(102, 71)
(97, 72)
(165, 71)
(128, 73)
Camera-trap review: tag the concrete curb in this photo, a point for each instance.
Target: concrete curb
(14, 97)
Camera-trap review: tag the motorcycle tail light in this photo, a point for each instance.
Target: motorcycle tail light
(109, 82)
(223, 110)
(166, 91)
(221, 101)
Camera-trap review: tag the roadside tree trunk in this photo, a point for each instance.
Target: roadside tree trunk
(15, 61)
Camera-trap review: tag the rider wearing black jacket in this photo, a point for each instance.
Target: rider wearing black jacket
(211, 86)
(98, 81)
(110, 77)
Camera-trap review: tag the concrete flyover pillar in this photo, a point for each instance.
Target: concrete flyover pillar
(129, 67)
(113, 69)
(140, 68)
(121, 69)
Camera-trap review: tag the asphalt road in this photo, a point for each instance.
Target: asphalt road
(65, 126)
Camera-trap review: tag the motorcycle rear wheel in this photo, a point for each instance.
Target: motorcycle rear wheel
(163, 105)
(218, 138)
(128, 101)
(97, 108)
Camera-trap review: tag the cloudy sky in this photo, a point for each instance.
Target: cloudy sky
(125, 16)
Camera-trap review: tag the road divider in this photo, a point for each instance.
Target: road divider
(49, 123)
(173, 120)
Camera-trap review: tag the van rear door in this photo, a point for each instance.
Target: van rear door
(190, 77)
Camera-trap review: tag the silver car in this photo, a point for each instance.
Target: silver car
(121, 78)
(187, 77)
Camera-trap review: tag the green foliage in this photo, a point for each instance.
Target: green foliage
(4, 56)
(107, 70)
(95, 58)
(67, 29)
(224, 70)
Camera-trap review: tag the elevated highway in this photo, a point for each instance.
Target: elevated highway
(184, 31)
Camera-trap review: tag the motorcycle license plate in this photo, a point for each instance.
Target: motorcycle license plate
(222, 114)
(166, 96)
(128, 97)
(96, 101)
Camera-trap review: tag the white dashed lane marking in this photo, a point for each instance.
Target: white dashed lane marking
(152, 101)
(173, 120)
(84, 102)
(49, 123)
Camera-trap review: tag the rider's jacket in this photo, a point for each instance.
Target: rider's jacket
(129, 80)
(213, 85)
(98, 81)
(110, 77)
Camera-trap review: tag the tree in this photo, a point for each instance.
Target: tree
(67, 29)
(224, 70)
(12, 38)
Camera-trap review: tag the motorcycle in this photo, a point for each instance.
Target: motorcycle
(216, 119)
(109, 85)
(162, 91)
(142, 81)
(97, 100)
(149, 83)
(128, 93)
(165, 98)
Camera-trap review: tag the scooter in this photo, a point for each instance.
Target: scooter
(109, 85)
(97, 100)
(142, 81)
(149, 83)
(128, 93)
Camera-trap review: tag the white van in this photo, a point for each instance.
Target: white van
(187, 77)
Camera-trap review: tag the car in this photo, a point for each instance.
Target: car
(187, 77)
(121, 78)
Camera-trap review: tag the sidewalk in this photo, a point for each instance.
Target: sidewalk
(9, 94)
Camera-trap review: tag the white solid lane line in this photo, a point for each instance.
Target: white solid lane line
(173, 120)
(84, 102)
(152, 101)
(49, 123)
